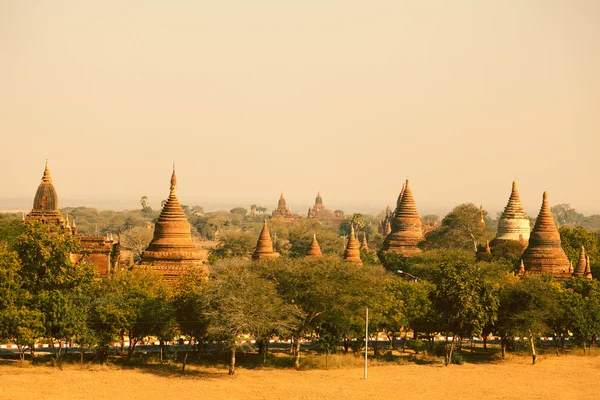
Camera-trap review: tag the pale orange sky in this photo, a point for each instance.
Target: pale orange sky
(345, 97)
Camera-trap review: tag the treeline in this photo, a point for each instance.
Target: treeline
(45, 297)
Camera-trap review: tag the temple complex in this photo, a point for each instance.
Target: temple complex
(282, 211)
(386, 221)
(352, 252)
(513, 224)
(406, 227)
(171, 252)
(101, 251)
(544, 255)
(314, 250)
(264, 245)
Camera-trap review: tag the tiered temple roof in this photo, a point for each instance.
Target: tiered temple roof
(282, 210)
(264, 245)
(514, 223)
(172, 251)
(352, 252)
(406, 227)
(588, 269)
(545, 255)
(45, 203)
(314, 250)
(317, 208)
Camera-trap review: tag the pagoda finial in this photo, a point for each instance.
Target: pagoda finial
(46, 177)
(173, 181)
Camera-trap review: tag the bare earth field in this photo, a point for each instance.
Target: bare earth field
(572, 377)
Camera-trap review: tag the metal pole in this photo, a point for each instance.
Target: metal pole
(366, 341)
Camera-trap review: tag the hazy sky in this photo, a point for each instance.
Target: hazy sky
(346, 97)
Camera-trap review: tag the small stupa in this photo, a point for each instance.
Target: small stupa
(513, 224)
(406, 228)
(588, 269)
(544, 255)
(171, 251)
(363, 244)
(264, 245)
(45, 203)
(581, 267)
(314, 250)
(352, 252)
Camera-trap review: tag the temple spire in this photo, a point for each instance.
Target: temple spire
(581, 264)
(406, 227)
(173, 181)
(264, 245)
(352, 252)
(314, 250)
(47, 177)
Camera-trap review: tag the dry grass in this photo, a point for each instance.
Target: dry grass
(566, 377)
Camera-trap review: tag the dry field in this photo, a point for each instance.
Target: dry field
(571, 377)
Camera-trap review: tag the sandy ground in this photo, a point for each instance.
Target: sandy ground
(572, 377)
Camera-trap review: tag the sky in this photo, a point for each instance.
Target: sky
(344, 97)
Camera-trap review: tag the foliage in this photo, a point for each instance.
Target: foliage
(233, 244)
(239, 211)
(573, 238)
(460, 229)
(136, 240)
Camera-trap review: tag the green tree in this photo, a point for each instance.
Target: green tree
(242, 302)
(460, 229)
(573, 238)
(564, 214)
(463, 301)
(233, 244)
(239, 211)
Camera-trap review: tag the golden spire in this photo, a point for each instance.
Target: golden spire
(173, 181)
(352, 252)
(46, 177)
(314, 250)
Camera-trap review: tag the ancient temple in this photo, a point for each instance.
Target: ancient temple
(544, 255)
(352, 252)
(45, 203)
(314, 250)
(513, 224)
(387, 219)
(581, 267)
(588, 269)
(282, 211)
(264, 245)
(406, 227)
(171, 252)
(101, 251)
(363, 244)
(318, 208)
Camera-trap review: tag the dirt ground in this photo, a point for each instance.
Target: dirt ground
(567, 377)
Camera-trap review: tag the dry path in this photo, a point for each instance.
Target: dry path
(571, 377)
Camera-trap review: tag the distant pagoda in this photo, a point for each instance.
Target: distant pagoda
(352, 252)
(264, 245)
(318, 208)
(171, 251)
(45, 203)
(581, 267)
(544, 254)
(363, 244)
(407, 228)
(314, 250)
(388, 217)
(282, 211)
(513, 224)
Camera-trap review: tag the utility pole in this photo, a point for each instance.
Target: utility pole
(366, 341)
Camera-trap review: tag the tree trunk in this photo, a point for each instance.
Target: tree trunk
(261, 346)
(81, 356)
(562, 344)
(485, 342)
(533, 353)
(122, 342)
(232, 361)
(297, 362)
(292, 345)
(503, 346)
(346, 345)
(404, 341)
(132, 344)
(184, 362)
(327, 358)
(449, 353)
(161, 346)
(58, 352)
(265, 351)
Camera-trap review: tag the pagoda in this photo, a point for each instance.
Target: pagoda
(264, 245)
(45, 203)
(513, 224)
(582, 265)
(101, 251)
(352, 252)
(314, 250)
(317, 208)
(406, 226)
(282, 211)
(544, 255)
(363, 244)
(171, 252)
